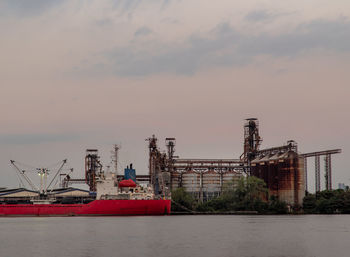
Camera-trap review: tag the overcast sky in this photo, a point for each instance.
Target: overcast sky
(88, 74)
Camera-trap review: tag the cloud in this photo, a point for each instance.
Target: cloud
(28, 7)
(165, 4)
(225, 46)
(169, 20)
(103, 22)
(319, 34)
(257, 16)
(143, 31)
(25, 139)
(265, 15)
(126, 6)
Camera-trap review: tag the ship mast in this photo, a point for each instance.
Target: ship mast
(115, 158)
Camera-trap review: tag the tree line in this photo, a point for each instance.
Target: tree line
(248, 194)
(328, 202)
(251, 194)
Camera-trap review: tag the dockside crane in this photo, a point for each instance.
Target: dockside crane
(43, 173)
(22, 174)
(58, 172)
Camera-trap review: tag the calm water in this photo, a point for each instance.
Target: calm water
(176, 236)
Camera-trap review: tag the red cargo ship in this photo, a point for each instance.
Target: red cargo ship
(125, 199)
(96, 207)
(106, 195)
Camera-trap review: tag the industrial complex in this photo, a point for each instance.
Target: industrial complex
(283, 168)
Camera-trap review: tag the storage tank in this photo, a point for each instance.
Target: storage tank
(283, 175)
(191, 181)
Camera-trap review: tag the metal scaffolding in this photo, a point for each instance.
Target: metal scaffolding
(328, 172)
(93, 168)
(252, 140)
(317, 174)
(305, 174)
(328, 167)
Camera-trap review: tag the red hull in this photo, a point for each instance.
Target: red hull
(97, 207)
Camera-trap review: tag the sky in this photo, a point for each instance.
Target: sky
(89, 74)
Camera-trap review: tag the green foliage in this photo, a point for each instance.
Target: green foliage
(250, 193)
(276, 206)
(247, 194)
(184, 201)
(309, 203)
(327, 202)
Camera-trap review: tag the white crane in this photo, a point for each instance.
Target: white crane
(43, 173)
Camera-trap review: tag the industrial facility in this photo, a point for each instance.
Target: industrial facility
(283, 168)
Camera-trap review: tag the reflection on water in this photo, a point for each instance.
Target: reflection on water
(312, 235)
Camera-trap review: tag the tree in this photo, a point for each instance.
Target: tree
(248, 195)
(276, 206)
(183, 201)
(256, 188)
(309, 203)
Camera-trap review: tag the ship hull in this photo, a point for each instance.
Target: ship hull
(94, 208)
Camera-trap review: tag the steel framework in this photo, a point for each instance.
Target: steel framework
(328, 167)
(317, 174)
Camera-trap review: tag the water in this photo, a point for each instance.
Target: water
(170, 236)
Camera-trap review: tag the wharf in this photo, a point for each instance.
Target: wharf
(216, 213)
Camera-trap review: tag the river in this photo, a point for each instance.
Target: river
(185, 236)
